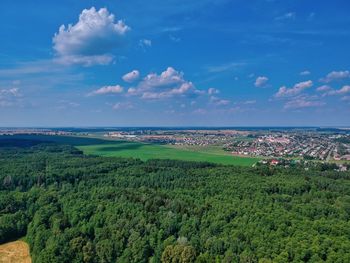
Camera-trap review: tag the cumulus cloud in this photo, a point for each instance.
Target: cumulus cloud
(107, 90)
(168, 84)
(132, 91)
(261, 81)
(336, 76)
(131, 76)
(91, 40)
(181, 90)
(344, 90)
(297, 88)
(305, 73)
(323, 88)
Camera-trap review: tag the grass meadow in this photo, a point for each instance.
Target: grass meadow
(143, 151)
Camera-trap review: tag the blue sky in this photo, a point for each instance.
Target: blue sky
(175, 63)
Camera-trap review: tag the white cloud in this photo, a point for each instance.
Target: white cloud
(145, 43)
(168, 84)
(9, 92)
(287, 16)
(169, 77)
(131, 76)
(91, 39)
(344, 90)
(181, 90)
(305, 73)
(9, 97)
(107, 90)
(323, 88)
(335, 76)
(123, 106)
(212, 91)
(132, 91)
(297, 88)
(345, 98)
(261, 81)
(302, 102)
(219, 102)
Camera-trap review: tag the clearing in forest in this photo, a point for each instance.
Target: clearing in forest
(15, 252)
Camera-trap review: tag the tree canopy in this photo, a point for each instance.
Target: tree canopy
(76, 208)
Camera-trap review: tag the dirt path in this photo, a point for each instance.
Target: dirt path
(15, 252)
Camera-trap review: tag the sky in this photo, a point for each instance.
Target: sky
(174, 63)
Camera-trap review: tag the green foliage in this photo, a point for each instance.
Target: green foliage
(76, 208)
(178, 254)
(146, 151)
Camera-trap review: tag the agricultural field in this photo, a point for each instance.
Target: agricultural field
(143, 151)
(15, 252)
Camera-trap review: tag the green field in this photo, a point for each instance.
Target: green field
(143, 151)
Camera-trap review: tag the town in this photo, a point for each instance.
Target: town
(314, 146)
(298, 143)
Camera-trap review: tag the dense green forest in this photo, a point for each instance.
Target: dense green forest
(75, 208)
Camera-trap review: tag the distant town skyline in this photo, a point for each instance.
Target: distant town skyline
(174, 63)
